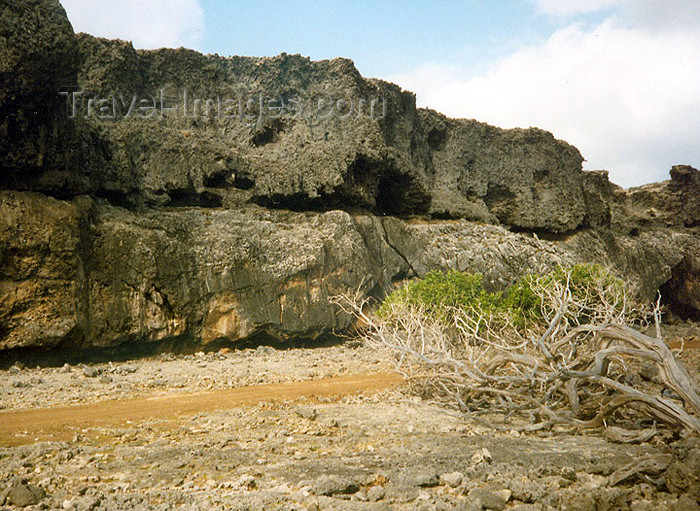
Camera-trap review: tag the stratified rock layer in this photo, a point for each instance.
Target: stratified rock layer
(83, 273)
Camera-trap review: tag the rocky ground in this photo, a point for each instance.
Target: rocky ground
(369, 450)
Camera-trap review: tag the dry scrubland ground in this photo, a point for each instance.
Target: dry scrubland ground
(373, 449)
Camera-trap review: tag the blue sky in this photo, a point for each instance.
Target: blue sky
(383, 37)
(619, 79)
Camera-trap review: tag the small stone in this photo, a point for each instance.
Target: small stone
(569, 473)
(246, 482)
(425, 480)
(526, 490)
(452, 479)
(473, 504)
(334, 485)
(24, 495)
(307, 413)
(106, 379)
(401, 491)
(495, 500)
(375, 493)
(360, 496)
(577, 501)
(125, 369)
(81, 503)
(480, 456)
(90, 372)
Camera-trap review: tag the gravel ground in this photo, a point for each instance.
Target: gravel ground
(165, 374)
(368, 451)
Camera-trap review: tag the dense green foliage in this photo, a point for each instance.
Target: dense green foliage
(528, 301)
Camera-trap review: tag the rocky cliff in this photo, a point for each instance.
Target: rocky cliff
(154, 195)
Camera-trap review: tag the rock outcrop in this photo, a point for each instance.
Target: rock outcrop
(523, 177)
(150, 216)
(38, 56)
(87, 274)
(84, 273)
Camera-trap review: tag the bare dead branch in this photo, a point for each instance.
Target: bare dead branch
(572, 372)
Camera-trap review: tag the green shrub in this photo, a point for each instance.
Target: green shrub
(438, 292)
(523, 302)
(528, 302)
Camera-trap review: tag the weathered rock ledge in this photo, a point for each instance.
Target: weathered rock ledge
(84, 273)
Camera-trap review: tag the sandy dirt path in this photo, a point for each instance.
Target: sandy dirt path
(18, 427)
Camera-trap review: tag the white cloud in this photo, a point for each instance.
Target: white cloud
(650, 14)
(669, 14)
(628, 98)
(147, 23)
(573, 7)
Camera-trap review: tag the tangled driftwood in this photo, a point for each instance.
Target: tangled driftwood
(584, 375)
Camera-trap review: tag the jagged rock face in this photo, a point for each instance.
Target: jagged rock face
(364, 151)
(523, 177)
(367, 147)
(38, 56)
(83, 273)
(673, 203)
(40, 270)
(399, 162)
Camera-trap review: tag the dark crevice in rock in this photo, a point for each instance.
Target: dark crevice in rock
(437, 137)
(183, 345)
(398, 196)
(268, 133)
(227, 179)
(549, 235)
(218, 180)
(188, 198)
(297, 202)
(67, 353)
(243, 182)
(117, 198)
(497, 194)
(681, 294)
(412, 273)
(395, 196)
(444, 215)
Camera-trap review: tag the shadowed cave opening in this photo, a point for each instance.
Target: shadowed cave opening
(187, 198)
(62, 354)
(371, 186)
(681, 294)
